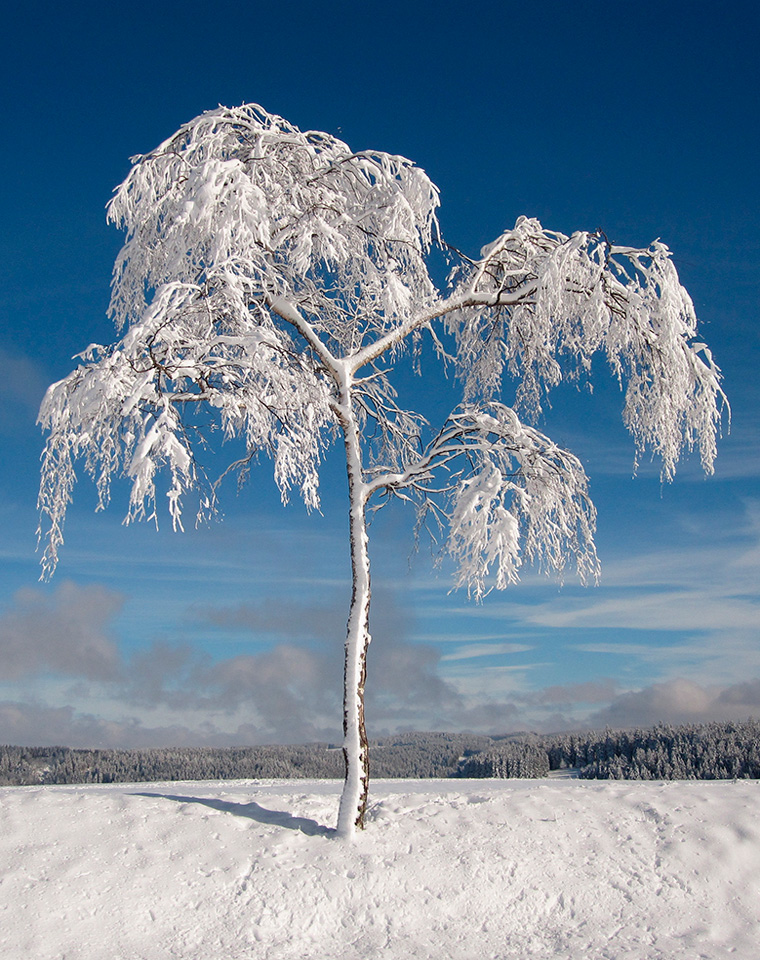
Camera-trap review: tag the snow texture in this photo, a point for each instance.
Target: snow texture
(446, 869)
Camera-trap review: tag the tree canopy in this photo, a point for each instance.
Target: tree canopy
(273, 277)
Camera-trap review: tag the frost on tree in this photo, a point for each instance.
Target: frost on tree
(274, 277)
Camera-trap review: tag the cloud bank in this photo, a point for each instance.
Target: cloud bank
(66, 679)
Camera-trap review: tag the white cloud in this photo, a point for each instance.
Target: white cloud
(680, 701)
(483, 684)
(34, 724)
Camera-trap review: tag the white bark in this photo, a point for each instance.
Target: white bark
(353, 801)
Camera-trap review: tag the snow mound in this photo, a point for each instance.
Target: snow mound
(446, 870)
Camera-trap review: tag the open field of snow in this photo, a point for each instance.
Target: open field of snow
(447, 870)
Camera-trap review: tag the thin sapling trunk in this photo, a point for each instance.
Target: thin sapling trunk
(353, 801)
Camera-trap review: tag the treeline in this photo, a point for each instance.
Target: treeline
(508, 758)
(713, 751)
(412, 755)
(28, 765)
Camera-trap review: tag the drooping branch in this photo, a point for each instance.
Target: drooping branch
(121, 410)
(588, 296)
(506, 493)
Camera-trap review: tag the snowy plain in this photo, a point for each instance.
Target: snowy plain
(446, 870)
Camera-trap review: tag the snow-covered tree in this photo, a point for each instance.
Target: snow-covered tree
(274, 278)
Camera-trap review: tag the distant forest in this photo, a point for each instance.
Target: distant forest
(713, 751)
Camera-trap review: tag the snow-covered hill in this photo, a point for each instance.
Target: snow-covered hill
(447, 870)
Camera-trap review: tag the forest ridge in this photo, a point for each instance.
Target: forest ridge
(713, 751)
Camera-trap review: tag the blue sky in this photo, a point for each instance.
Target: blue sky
(641, 120)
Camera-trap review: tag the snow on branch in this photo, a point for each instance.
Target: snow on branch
(551, 302)
(271, 277)
(256, 257)
(128, 410)
(242, 201)
(506, 493)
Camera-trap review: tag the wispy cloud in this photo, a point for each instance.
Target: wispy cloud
(679, 589)
(678, 610)
(474, 650)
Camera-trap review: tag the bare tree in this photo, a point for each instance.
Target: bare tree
(275, 277)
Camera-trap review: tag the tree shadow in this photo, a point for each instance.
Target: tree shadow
(253, 811)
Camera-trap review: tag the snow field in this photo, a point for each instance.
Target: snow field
(446, 870)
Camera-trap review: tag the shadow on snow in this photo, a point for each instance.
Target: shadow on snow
(253, 811)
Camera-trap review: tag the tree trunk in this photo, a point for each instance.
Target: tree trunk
(353, 801)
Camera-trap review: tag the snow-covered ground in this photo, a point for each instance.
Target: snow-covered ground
(447, 870)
